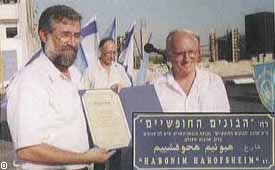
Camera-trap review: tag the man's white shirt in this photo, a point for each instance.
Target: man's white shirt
(44, 107)
(100, 78)
(207, 94)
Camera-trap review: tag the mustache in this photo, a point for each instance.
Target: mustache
(65, 57)
(70, 48)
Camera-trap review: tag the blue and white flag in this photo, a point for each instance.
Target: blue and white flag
(112, 30)
(34, 56)
(112, 33)
(89, 42)
(80, 61)
(141, 75)
(127, 54)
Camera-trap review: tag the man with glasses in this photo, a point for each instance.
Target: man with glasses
(45, 116)
(107, 74)
(187, 88)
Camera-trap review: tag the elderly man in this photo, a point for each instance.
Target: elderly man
(187, 88)
(45, 116)
(107, 74)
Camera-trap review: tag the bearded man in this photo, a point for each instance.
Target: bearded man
(45, 116)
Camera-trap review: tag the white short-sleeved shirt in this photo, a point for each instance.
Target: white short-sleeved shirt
(75, 76)
(207, 94)
(99, 78)
(44, 107)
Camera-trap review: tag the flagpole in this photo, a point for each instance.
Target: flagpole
(137, 47)
(116, 59)
(141, 37)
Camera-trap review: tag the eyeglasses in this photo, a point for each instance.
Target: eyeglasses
(110, 53)
(65, 37)
(180, 55)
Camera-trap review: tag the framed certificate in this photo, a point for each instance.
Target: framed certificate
(106, 119)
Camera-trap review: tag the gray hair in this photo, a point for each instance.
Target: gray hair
(180, 30)
(104, 40)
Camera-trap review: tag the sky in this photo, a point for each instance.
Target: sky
(163, 16)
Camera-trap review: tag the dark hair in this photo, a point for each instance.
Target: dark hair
(55, 14)
(104, 40)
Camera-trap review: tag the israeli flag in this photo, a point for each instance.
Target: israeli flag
(34, 56)
(80, 61)
(112, 30)
(142, 72)
(112, 33)
(89, 42)
(127, 54)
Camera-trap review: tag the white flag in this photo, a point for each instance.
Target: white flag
(142, 72)
(127, 55)
(112, 31)
(89, 43)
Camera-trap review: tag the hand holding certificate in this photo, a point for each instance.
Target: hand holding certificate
(106, 119)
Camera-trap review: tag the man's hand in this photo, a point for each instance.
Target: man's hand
(116, 87)
(98, 155)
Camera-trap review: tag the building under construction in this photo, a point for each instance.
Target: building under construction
(229, 46)
(213, 47)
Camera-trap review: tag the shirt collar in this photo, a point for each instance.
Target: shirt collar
(53, 73)
(102, 68)
(173, 83)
